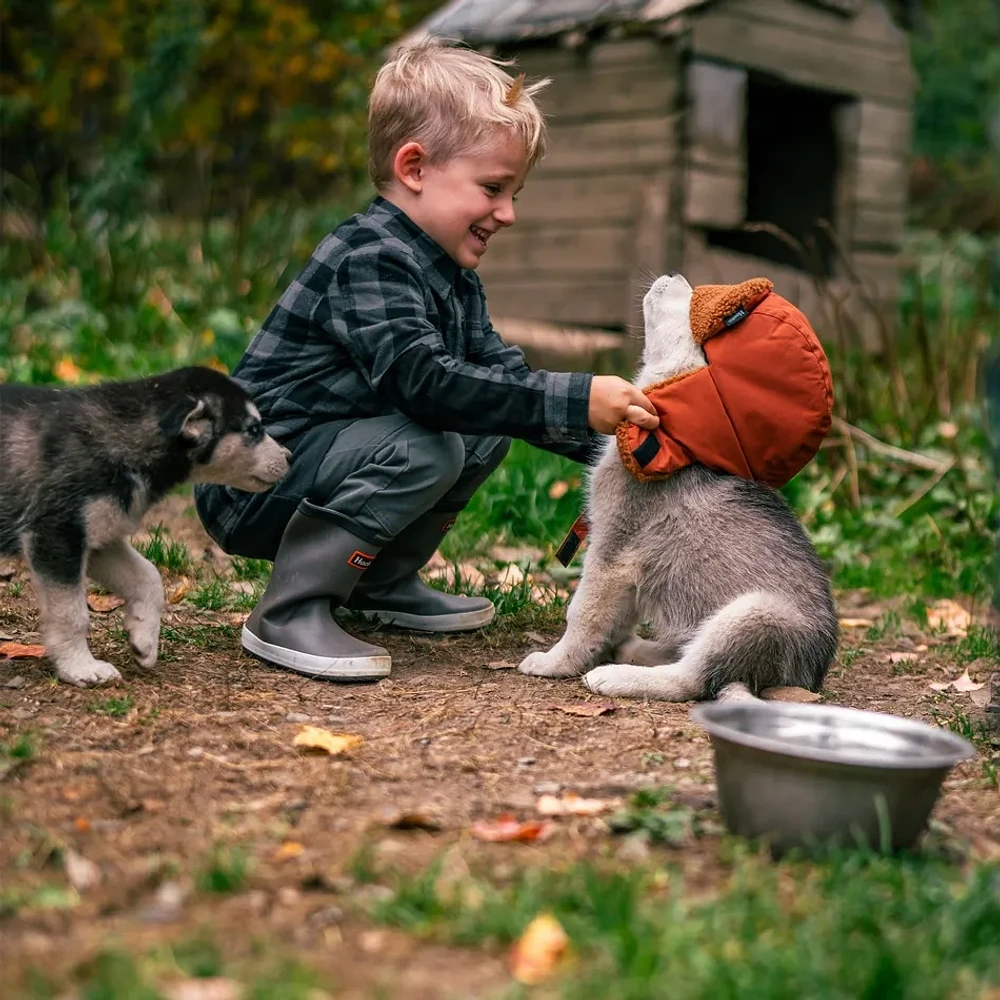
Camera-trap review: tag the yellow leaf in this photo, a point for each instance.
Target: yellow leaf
(66, 371)
(313, 739)
(539, 950)
(856, 623)
(289, 849)
(103, 603)
(950, 616)
(177, 594)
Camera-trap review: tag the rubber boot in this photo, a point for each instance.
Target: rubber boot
(392, 591)
(317, 565)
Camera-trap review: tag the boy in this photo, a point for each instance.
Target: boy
(380, 370)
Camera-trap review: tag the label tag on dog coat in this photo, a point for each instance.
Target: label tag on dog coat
(573, 541)
(360, 560)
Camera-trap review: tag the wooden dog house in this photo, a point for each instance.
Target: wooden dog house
(721, 138)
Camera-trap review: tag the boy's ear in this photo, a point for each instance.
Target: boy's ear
(408, 166)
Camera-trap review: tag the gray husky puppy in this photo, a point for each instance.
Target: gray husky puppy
(718, 565)
(80, 468)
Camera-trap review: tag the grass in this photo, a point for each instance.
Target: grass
(115, 707)
(226, 870)
(164, 552)
(850, 927)
(21, 747)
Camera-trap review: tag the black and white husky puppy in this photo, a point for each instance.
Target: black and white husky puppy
(80, 467)
(718, 565)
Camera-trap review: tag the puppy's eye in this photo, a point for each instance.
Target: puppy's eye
(255, 431)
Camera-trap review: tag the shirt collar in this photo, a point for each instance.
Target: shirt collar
(441, 269)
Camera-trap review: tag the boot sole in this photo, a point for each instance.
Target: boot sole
(463, 621)
(343, 668)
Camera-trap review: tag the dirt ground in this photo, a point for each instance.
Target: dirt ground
(203, 755)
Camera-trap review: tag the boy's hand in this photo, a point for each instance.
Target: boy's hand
(613, 400)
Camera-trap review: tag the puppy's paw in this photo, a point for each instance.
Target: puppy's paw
(549, 664)
(144, 638)
(86, 672)
(619, 679)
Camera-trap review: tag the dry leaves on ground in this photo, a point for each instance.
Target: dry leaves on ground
(539, 951)
(964, 683)
(800, 695)
(18, 651)
(949, 616)
(501, 665)
(313, 739)
(507, 827)
(856, 623)
(588, 709)
(571, 804)
(179, 590)
(103, 603)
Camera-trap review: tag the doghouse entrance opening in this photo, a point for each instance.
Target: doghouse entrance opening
(792, 164)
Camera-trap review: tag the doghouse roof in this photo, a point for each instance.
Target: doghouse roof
(483, 21)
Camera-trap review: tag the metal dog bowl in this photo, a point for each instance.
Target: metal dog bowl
(819, 776)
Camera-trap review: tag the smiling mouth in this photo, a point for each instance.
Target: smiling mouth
(481, 235)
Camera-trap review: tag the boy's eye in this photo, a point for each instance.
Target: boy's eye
(492, 189)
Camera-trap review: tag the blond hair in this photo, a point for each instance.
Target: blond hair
(451, 100)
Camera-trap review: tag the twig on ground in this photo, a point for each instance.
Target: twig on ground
(891, 451)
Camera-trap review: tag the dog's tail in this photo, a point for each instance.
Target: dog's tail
(760, 640)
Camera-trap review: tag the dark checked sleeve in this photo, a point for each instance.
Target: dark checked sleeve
(510, 357)
(403, 357)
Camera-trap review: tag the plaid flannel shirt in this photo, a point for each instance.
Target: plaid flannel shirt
(381, 320)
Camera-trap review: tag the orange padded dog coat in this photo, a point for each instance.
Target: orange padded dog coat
(760, 408)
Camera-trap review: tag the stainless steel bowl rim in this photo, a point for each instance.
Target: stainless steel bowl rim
(962, 749)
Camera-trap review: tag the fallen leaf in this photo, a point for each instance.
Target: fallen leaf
(571, 804)
(949, 616)
(103, 603)
(313, 739)
(964, 683)
(153, 805)
(980, 698)
(82, 824)
(15, 682)
(7, 570)
(508, 827)
(17, 651)
(510, 576)
(856, 623)
(903, 657)
(589, 709)
(535, 637)
(794, 694)
(537, 954)
(501, 665)
(287, 850)
(179, 590)
(208, 988)
(81, 873)
(558, 489)
(408, 819)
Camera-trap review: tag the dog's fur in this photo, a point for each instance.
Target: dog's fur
(718, 565)
(80, 468)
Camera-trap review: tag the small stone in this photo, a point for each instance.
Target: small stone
(166, 905)
(682, 763)
(288, 895)
(635, 848)
(81, 873)
(525, 761)
(298, 717)
(794, 694)
(326, 916)
(547, 787)
(15, 682)
(196, 752)
(372, 941)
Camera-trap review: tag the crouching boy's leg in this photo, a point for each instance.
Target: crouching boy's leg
(392, 590)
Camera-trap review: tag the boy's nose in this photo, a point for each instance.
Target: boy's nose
(504, 214)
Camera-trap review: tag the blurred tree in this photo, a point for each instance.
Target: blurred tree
(222, 100)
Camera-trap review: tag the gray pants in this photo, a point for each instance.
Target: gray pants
(375, 476)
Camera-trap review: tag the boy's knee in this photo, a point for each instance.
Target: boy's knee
(438, 459)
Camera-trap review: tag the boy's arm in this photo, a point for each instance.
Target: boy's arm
(495, 352)
(403, 357)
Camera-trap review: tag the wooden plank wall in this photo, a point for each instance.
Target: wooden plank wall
(592, 216)
(864, 57)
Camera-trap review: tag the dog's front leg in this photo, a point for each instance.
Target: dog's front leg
(119, 568)
(65, 621)
(600, 616)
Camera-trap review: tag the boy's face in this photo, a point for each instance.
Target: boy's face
(463, 203)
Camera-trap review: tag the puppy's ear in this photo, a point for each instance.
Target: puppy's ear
(186, 420)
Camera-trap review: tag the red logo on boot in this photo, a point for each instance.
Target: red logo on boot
(359, 560)
(448, 525)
